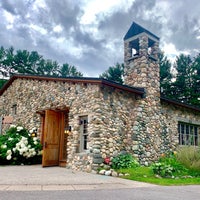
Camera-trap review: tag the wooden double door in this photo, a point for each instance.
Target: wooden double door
(54, 138)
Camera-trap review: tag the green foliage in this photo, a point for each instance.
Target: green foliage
(168, 166)
(165, 68)
(2, 82)
(189, 156)
(145, 174)
(163, 169)
(25, 62)
(114, 73)
(183, 85)
(165, 74)
(124, 161)
(18, 147)
(67, 70)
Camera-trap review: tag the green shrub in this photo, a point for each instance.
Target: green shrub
(168, 166)
(189, 156)
(123, 161)
(162, 169)
(18, 147)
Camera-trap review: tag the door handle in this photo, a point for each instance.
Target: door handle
(45, 144)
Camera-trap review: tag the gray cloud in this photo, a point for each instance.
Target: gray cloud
(175, 22)
(185, 34)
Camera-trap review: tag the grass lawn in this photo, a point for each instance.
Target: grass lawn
(145, 174)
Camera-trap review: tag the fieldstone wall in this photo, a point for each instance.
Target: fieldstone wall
(110, 112)
(174, 114)
(155, 128)
(142, 70)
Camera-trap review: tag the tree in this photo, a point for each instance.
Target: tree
(67, 70)
(25, 62)
(2, 82)
(182, 84)
(195, 82)
(165, 75)
(6, 62)
(114, 73)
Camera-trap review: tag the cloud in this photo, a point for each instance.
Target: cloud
(89, 33)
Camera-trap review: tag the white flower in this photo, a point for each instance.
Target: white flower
(3, 146)
(21, 151)
(12, 126)
(8, 157)
(32, 150)
(18, 145)
(26, 142)
(22, 145)
(25, 149)
(24, 138)
(14, 149)
(10, 139)
(35, 142)
(9, 152)
(19, 128)
(34, 139)
(25, 154)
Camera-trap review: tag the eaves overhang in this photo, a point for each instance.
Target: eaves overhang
(178, 103)
(100, 81)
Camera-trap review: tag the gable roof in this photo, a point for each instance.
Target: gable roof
(98, 81)
(136, 29)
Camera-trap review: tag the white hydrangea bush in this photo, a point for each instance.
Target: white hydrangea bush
(20, 146)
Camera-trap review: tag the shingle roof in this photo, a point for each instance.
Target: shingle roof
(136, 29)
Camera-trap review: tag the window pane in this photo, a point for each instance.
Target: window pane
(84, 133)
(196, 136)
(188, 134)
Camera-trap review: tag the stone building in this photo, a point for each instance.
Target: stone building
(82, 121)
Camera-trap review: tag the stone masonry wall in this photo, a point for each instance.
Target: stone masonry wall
(174, 114)
(110, 113)
(143, 71)
(155, 128)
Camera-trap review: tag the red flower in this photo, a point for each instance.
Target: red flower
(107, 160)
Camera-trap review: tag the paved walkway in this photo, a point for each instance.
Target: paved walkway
(31, 178)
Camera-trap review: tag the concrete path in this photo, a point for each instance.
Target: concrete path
(36, 178)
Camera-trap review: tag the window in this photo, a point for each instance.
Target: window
(14, 109)
(83, 133)
(188, 134)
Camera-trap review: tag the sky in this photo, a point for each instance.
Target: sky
(89, 33)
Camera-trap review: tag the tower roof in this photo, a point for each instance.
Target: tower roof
(136, 29)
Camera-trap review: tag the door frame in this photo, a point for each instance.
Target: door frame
(63, 124)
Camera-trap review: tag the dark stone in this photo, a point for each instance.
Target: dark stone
(134, 137)
(97, 156)
(95, 135)
(96, 146)
(97, 160)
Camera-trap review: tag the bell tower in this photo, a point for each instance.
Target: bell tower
(141, 69)
(141, 49)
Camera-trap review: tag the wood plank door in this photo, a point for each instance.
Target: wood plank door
(51, 138)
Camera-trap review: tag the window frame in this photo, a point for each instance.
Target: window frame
(188, 134)
(83, 134)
